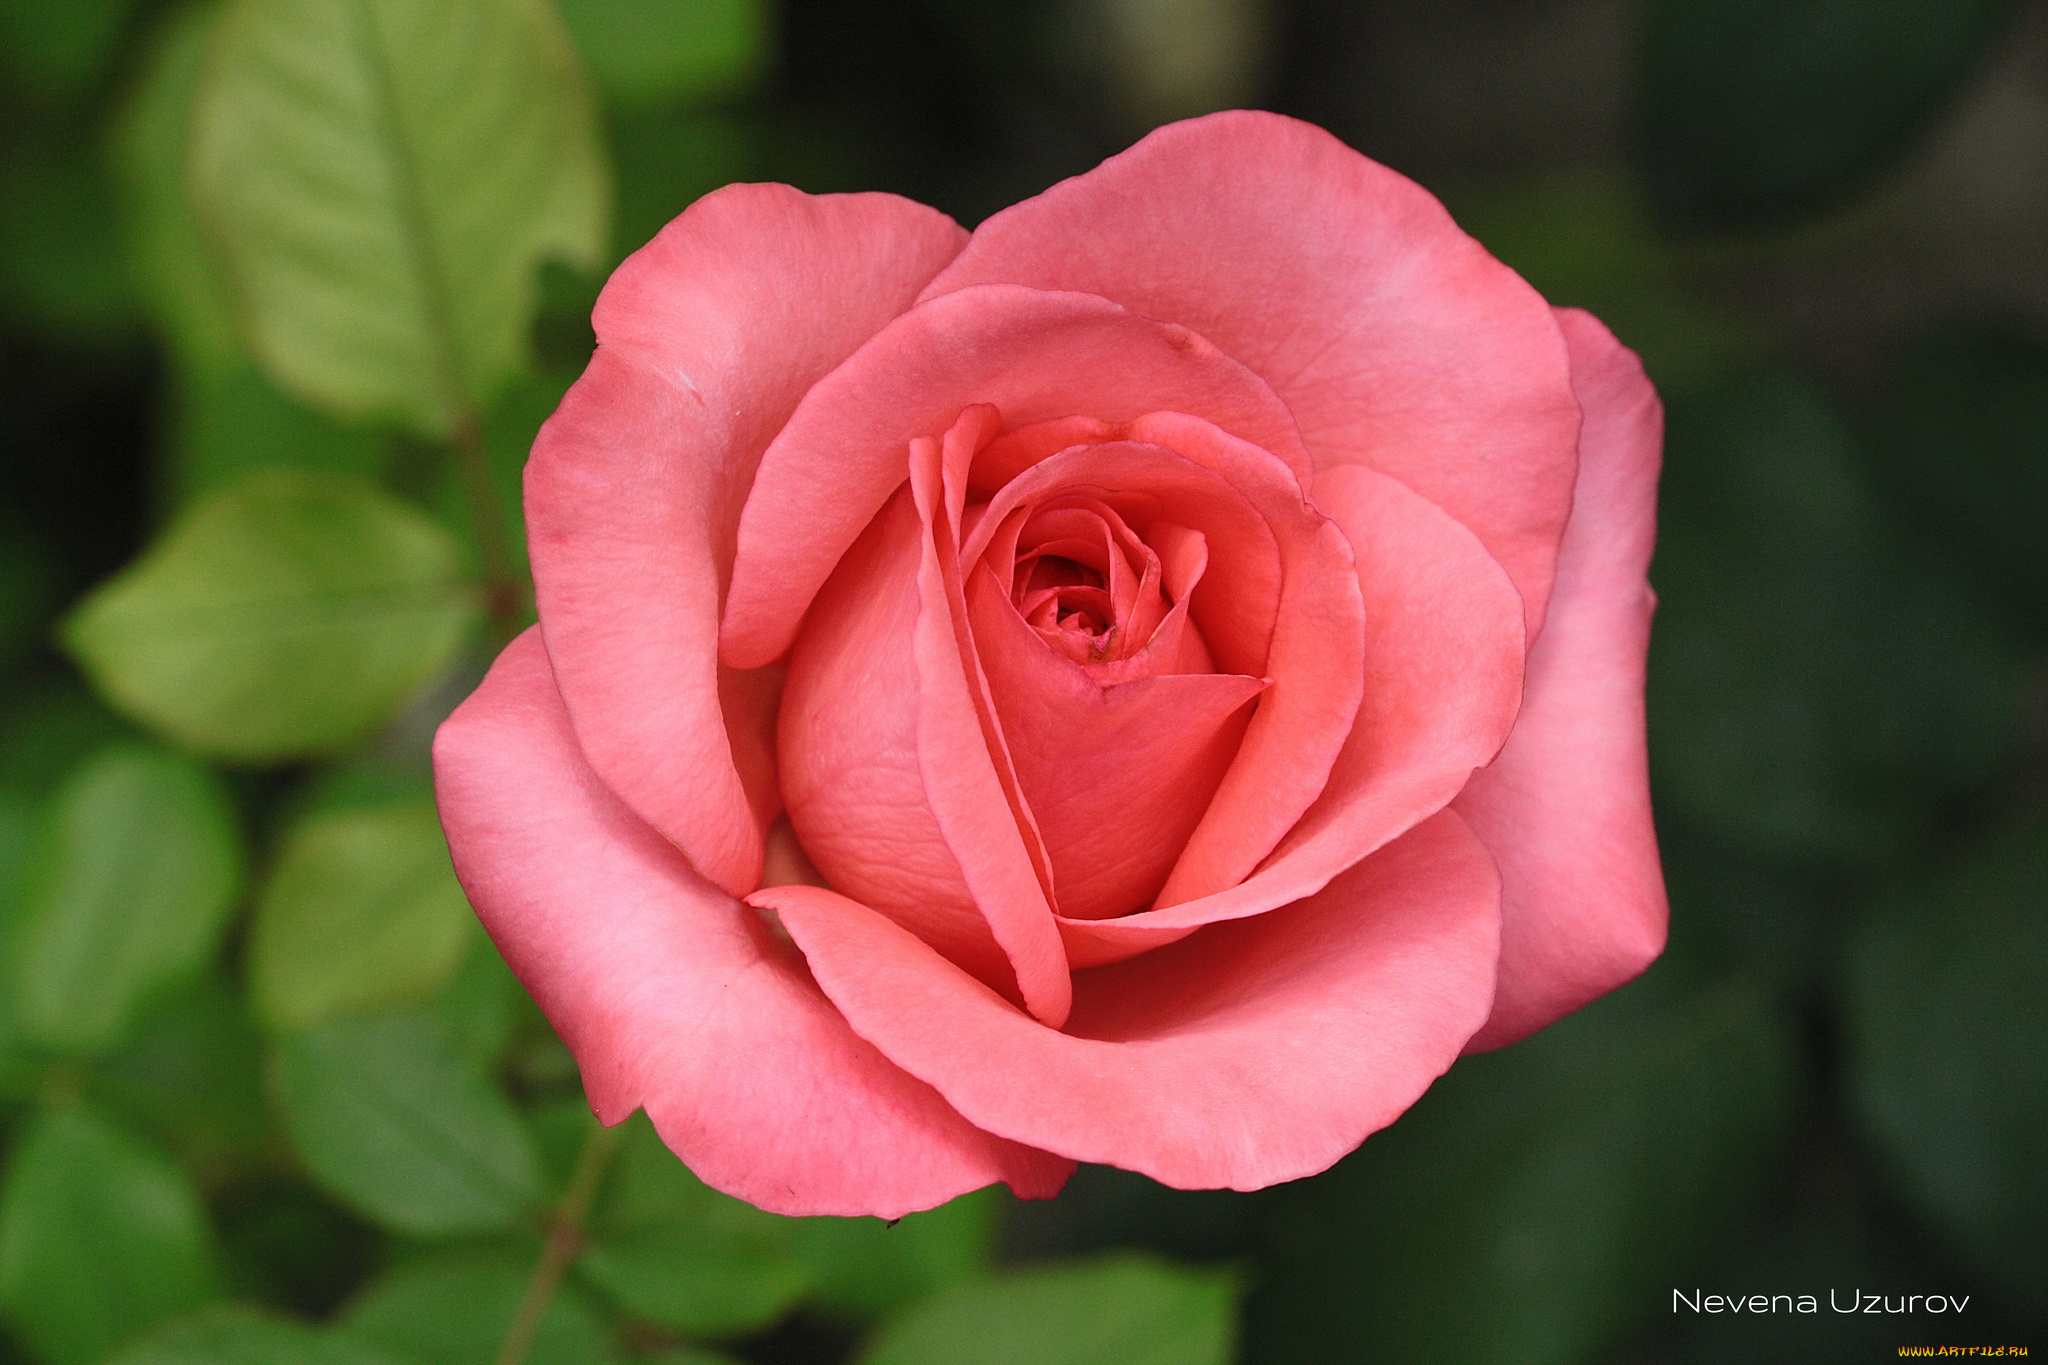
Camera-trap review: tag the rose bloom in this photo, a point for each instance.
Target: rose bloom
(1150, 682)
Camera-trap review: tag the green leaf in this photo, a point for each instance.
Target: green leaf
(49, 732)
(242, 1336)
(455, 1309)
(480, 1003)
(1818, 685)
(1965, 441)
(99, 1238)
(392, 1118)
(231, 421)
(1585, 240)
(1534, 1203)
(668, 1248)
(282, 617)
(383, 176)
(133, 877)
(668, 162)
(1752, 112)
(192, 1077)
(646, 53)
(1124, 1310)
(361, 909)
(57, 235)
(1947, 1026)
(168, 253)
(57, 54)
(864, 1268)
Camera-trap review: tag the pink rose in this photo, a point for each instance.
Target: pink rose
(1193, 628)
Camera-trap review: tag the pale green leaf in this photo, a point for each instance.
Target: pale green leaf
(456, 1308)
(361, 909)
(1123, 1310)
(133, 875)
(383, 176)
(168, 252)
(284, 616)
(391, 1117)
(100, 1238)
(667, 1247)
(864, 1268)
(241, 1336)
(646, 53)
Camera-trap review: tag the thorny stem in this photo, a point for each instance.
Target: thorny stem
(504, 595)
(565, 1239)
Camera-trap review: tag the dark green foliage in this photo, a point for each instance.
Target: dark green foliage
(1536, 1199)
(1755, 112)
(1964, 442)
(1948, 1026)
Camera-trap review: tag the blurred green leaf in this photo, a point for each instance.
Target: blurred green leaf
(480, 1002)
(668, 162)
(168, 252)
(667, 1247)
(49, 731)
(57, 233)
(361, 909)
(1965, 441)
(1947, 1029)
(392, 1118)
(508, 433)
(1584, 240)
(132, 879)
(864, 1268)
(1752, 112)
(57, 53)
(1817, 685)
(1535, 1202)
(242, 1336)
(99, 1238)
(455, 1309)
(383, 176)
(1130, 1310)
(281, 617)
(646, 53)
(232, 421)
(192, 1077)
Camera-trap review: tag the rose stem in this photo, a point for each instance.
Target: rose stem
(504, 598)
(565, 1239)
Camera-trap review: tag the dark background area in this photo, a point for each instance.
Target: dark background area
(1823, 224)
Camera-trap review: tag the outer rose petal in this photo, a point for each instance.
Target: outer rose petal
(707, 338)
(1257, 1051)
(673, 996)
(1393, 337)
(1035, 355)
(1566, 807)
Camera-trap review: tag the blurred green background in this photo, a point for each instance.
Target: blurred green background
(273, 354)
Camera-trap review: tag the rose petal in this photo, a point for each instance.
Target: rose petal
(961, 751)
(1117, 776)
(707, 337)
(1443, 660)
(1566, 807)
(673, 996)
(1394, 338)
(849, 748)
(1255, 1052)
(1034, 355)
